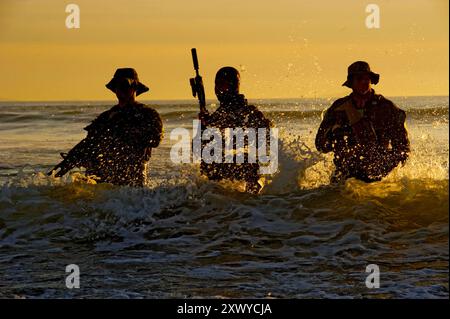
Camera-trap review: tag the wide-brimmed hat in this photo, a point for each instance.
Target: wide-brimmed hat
(360, 67)
(129, 75)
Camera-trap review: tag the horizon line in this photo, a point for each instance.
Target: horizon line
(187, 99)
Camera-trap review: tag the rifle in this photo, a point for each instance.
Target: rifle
(198, 89)
(75, 158)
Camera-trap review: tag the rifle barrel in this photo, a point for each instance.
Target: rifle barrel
(195, 59)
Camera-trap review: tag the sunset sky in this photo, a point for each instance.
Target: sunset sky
(284, 48)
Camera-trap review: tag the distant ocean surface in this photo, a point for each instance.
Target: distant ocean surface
(184, 236)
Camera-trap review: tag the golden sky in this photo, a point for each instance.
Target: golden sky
(284, 48)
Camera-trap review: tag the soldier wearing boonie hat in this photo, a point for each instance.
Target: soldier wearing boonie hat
(365, 131)
(118, 145)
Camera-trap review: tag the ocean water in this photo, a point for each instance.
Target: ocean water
(183, 236)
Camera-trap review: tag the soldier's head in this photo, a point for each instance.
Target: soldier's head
(227, 82)
(360, 77)
(125, 84)
(125, 89)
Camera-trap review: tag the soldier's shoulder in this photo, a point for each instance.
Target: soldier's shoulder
(388, 105)
(146, 110)
(144, 107)
(106, 114)
(338, 103)
(257, 117)
(101, 119)
(256, 113)
(389, 108)
(253, 109)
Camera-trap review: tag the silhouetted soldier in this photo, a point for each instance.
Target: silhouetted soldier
(118, 145)
(365, 130)
(233, 112)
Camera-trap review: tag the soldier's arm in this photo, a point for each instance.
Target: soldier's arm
(324, 134)
(399, 135)
(153, 128)
(204, 117)
(258, 120)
